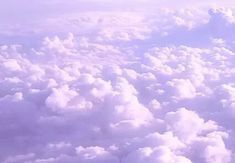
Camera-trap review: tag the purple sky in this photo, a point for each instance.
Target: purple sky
(99, 81)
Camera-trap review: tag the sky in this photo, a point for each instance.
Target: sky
(99, 81)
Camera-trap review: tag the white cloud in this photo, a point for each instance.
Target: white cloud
(124, 86)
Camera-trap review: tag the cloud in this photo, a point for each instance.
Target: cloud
(117, 86)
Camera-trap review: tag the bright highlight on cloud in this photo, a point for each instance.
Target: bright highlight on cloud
(117, 86)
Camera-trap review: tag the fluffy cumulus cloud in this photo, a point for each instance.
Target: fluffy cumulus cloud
(111, 82)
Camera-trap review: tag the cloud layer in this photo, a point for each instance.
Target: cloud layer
(111, 87)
